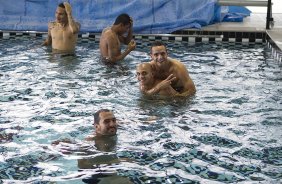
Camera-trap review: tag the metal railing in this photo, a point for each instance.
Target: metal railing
(265, 3)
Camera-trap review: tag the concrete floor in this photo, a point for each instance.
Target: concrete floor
(254, 23)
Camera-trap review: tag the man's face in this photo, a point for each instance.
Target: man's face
(107, 124)
(159, 54)
(144, 74)
(125, 28)
(61, 16)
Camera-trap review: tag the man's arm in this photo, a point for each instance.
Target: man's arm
(163, 85)
(111, 47)
(188, 85)
(48, 40)
(74, 26)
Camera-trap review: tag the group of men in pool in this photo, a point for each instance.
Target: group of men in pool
(162, 75)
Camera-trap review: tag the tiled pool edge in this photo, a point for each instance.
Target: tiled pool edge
(185, 36)
(275, 50)
(191, 36)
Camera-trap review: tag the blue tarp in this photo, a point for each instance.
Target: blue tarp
(150, 16)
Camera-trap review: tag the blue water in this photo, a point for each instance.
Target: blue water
(229, 132)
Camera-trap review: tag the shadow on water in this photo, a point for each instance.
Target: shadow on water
(100, 160)
(66, 61)
(165, 106)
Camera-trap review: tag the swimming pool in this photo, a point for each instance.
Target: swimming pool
(228, 132)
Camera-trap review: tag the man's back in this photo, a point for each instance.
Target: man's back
(109, 43)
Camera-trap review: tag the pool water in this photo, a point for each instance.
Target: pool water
(230, 131)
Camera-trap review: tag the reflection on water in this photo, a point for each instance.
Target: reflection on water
(230, 131)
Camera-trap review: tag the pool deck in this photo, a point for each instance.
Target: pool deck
(254, 23)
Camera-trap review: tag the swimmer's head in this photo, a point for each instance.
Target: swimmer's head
(144, 73)
(158, 52)
(105, 122)
(61, 15)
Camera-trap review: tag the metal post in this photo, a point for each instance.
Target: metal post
(268, 18)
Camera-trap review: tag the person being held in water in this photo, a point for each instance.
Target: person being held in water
(151, 86)
(165, 68)
(63, 32)
(112, 37)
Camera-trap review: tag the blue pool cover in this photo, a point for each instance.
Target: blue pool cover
(150, 16)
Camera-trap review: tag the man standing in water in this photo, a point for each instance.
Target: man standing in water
(112, 37)
(63, 33)
(163, 67)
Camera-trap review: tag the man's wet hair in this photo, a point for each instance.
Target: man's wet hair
(61, 5)
(122, 18)
(97, 115)
(156, 44)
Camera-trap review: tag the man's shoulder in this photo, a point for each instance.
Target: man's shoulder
(176, 62)
(177, 65)
(90, 138)
(106, 30)
(78, 24)
(52, 23)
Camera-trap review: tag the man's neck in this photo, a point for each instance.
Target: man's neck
(63, 24)
(115, 29)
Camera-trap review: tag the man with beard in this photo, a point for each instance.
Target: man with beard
(163, 67)
(63, 33)
(105, 141)
(105, 124)
(151, 86)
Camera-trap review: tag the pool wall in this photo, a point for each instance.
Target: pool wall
(191, 36)
(181, 18)
(182, 35)
(150, 16)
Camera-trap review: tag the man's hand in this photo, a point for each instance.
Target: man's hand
(67, 8)
(132, 45)
(167, 82)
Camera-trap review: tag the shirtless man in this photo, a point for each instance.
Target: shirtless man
(63, 33)
(148, 84)
(163, 67)
(105, 125)
(112, 37)
(105, 141)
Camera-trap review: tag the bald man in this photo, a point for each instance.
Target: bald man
(151, 86)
